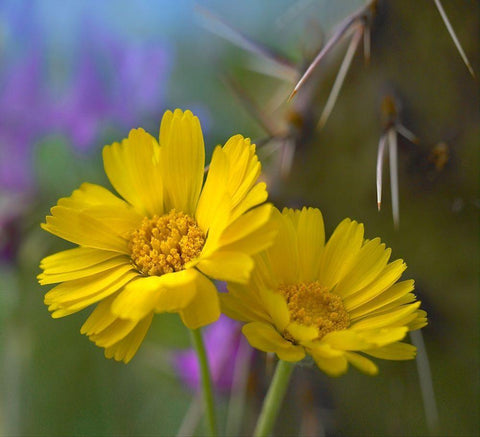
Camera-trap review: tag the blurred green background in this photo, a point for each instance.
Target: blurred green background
(77, 75)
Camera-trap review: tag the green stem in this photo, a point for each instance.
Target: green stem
(206, 380)
(274, 398)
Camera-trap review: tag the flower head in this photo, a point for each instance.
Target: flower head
(330, 301)
(153, 250)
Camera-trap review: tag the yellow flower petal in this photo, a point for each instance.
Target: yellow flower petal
(204, 307)
(183, 160)
(264, 337)
(406, 321)
(257, 241)
(85, 287)
(101, 204)
(89, 195)
(395, 351)
(244, 167)
(214, 206)
(390, 274)
(340, 252)
(302, 333)
(243, 309)
(122, 220)
(334, 366)
(113, 333)
(51, 278)
(71, 260)
(244, 170)
(100, 318)
(177, 290)
(233, 172)
(310, 239)
(349, 340)
(276, 306)
(346, 340)
(370, 262)
(321, 349)
(227, 266)
(253, 231)
(249, 234)
(84, 230)
(383, 336)
(133, 169)
(125, 349)
(395, 292)
(145, 294)
(420, 321)
(282, 257)
(383, 320)
(261, 277)
(106, 330)
(405, 299)
(361, 363)
(72, 296)
(418, 324)
(257, 195)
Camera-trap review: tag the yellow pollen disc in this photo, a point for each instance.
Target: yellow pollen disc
(165, 244)
(310, 304)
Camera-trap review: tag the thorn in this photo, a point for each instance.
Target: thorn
(239, 391)
(192, 416)
(272, 69)
(269, 147)
(380, 156)
(409, 135)
(426, 383)
(224, 30)
(454, 37)
(342, 72)
(277, 99)
(287, 153)
(250, 106)
(290, 97)
(344, 29)
(392, 152)
(366, 44)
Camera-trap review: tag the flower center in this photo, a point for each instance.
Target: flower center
(311, 304)
(165, 244)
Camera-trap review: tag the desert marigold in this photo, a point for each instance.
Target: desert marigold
(330, 301)
(154, 250)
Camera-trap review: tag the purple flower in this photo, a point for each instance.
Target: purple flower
(26, 113)
(222, 340)
(117, 83)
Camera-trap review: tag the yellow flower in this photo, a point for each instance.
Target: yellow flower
(151, 252)
(330, 300)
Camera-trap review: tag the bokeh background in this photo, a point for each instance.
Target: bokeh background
(79, 74)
